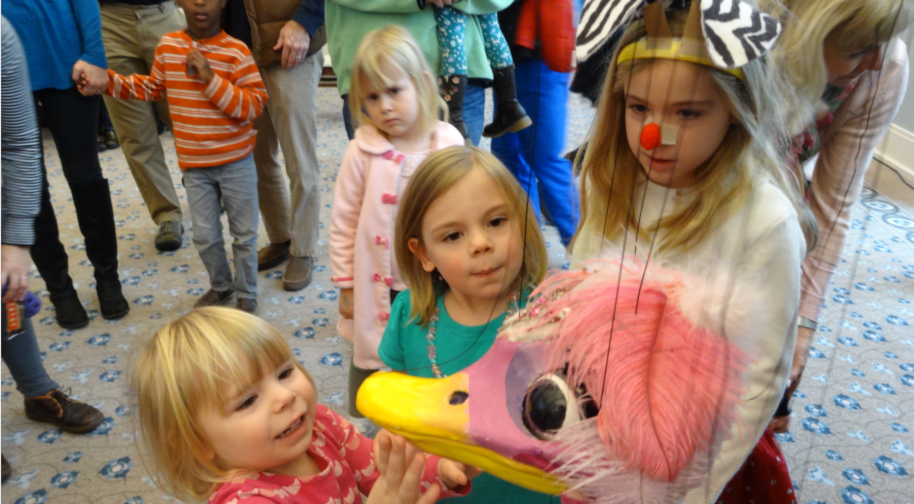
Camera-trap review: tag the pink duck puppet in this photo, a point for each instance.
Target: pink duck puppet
(611, 386)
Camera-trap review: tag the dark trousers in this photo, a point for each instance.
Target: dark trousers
(73, 121)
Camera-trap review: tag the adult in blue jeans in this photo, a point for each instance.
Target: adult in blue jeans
(534, 154)
(348, 21)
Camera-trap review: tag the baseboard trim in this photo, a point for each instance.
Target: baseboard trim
(897, 150)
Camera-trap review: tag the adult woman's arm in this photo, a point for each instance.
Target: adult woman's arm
(847, 150)
(21, 156)
(89, 71)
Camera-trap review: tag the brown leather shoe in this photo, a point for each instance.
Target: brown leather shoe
(298, 273)
(215, 298)
(58, 409)
(273, 255)
(7, 470)
(247, 305)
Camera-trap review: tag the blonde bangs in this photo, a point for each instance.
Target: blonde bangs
(383, 56)
(438, 173)
(197, 362)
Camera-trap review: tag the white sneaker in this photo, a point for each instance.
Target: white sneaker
(365, 426)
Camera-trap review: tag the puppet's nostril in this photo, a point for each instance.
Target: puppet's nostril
(458, 397)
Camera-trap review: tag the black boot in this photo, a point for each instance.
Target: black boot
(96, 221)
(509, 114)
(453, 90)
(51, 259)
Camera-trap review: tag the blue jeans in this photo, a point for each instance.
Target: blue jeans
(22, 357)
(534, 154)
(235, 185)
(474, 109)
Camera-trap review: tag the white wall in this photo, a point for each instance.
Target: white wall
(897, 148)
(905, 117)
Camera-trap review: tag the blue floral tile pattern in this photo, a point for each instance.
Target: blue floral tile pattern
(859, 382)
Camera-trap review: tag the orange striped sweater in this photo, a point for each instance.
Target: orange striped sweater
(212, 123)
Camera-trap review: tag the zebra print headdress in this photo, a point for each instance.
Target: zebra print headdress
(735, 32)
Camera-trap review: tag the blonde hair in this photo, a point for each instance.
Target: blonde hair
(611, 171)
(438, 173)
(800, 50)
(186, 368)
(385, 54)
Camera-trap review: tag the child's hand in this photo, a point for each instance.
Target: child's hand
(455, 474)
(347, 305)
(197, 61)
(400, 466)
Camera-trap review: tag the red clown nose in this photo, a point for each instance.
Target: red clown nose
(650, 136)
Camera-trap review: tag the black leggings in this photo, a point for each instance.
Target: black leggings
(73, 121)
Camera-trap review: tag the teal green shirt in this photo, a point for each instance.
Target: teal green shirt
(348, 21)
(404, 348)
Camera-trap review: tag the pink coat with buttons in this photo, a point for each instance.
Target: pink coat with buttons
(362, 233)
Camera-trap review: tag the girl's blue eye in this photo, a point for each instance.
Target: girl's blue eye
(498, 221)
(247, 403)
(640, 109)
(372, 97)
(285, 373)
(452, 237)
(394, 90)
(689, 114)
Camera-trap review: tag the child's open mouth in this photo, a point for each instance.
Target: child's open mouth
(292, 428)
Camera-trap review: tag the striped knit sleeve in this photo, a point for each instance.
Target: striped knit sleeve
(21, 150)
(244, 96)
(140, 87)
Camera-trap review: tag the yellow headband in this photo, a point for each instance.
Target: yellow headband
(670, 49)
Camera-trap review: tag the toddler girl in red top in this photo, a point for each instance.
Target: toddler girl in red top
(228, 414)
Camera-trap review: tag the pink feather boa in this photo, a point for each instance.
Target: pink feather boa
(664, 384)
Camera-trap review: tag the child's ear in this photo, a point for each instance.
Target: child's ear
(419, 251)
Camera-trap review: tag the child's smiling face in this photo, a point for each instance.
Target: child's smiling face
(682, 94)
(266, 426)
(470, 235)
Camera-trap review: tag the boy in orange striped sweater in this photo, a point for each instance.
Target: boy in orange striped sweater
(214, 92)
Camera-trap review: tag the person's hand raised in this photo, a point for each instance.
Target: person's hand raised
(197, 61)
(400, 465)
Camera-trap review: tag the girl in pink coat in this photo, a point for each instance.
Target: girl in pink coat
(396, 102)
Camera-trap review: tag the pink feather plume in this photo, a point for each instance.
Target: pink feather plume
(669, 384)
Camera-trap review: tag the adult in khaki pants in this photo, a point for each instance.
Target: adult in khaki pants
(285, 37)
(131, 29)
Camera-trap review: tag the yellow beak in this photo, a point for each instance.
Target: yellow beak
(428, 413)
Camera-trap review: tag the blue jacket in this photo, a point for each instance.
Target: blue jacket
(56, 34)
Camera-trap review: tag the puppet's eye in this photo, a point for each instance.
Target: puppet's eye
(549, 405)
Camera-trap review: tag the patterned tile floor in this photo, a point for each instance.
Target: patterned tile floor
(851, 441)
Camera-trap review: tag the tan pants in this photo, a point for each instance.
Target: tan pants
(130, 34)
(288, 122)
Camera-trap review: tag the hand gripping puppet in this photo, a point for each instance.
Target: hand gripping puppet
(609, 386)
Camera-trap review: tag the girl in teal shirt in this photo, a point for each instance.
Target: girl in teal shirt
(470, 248)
